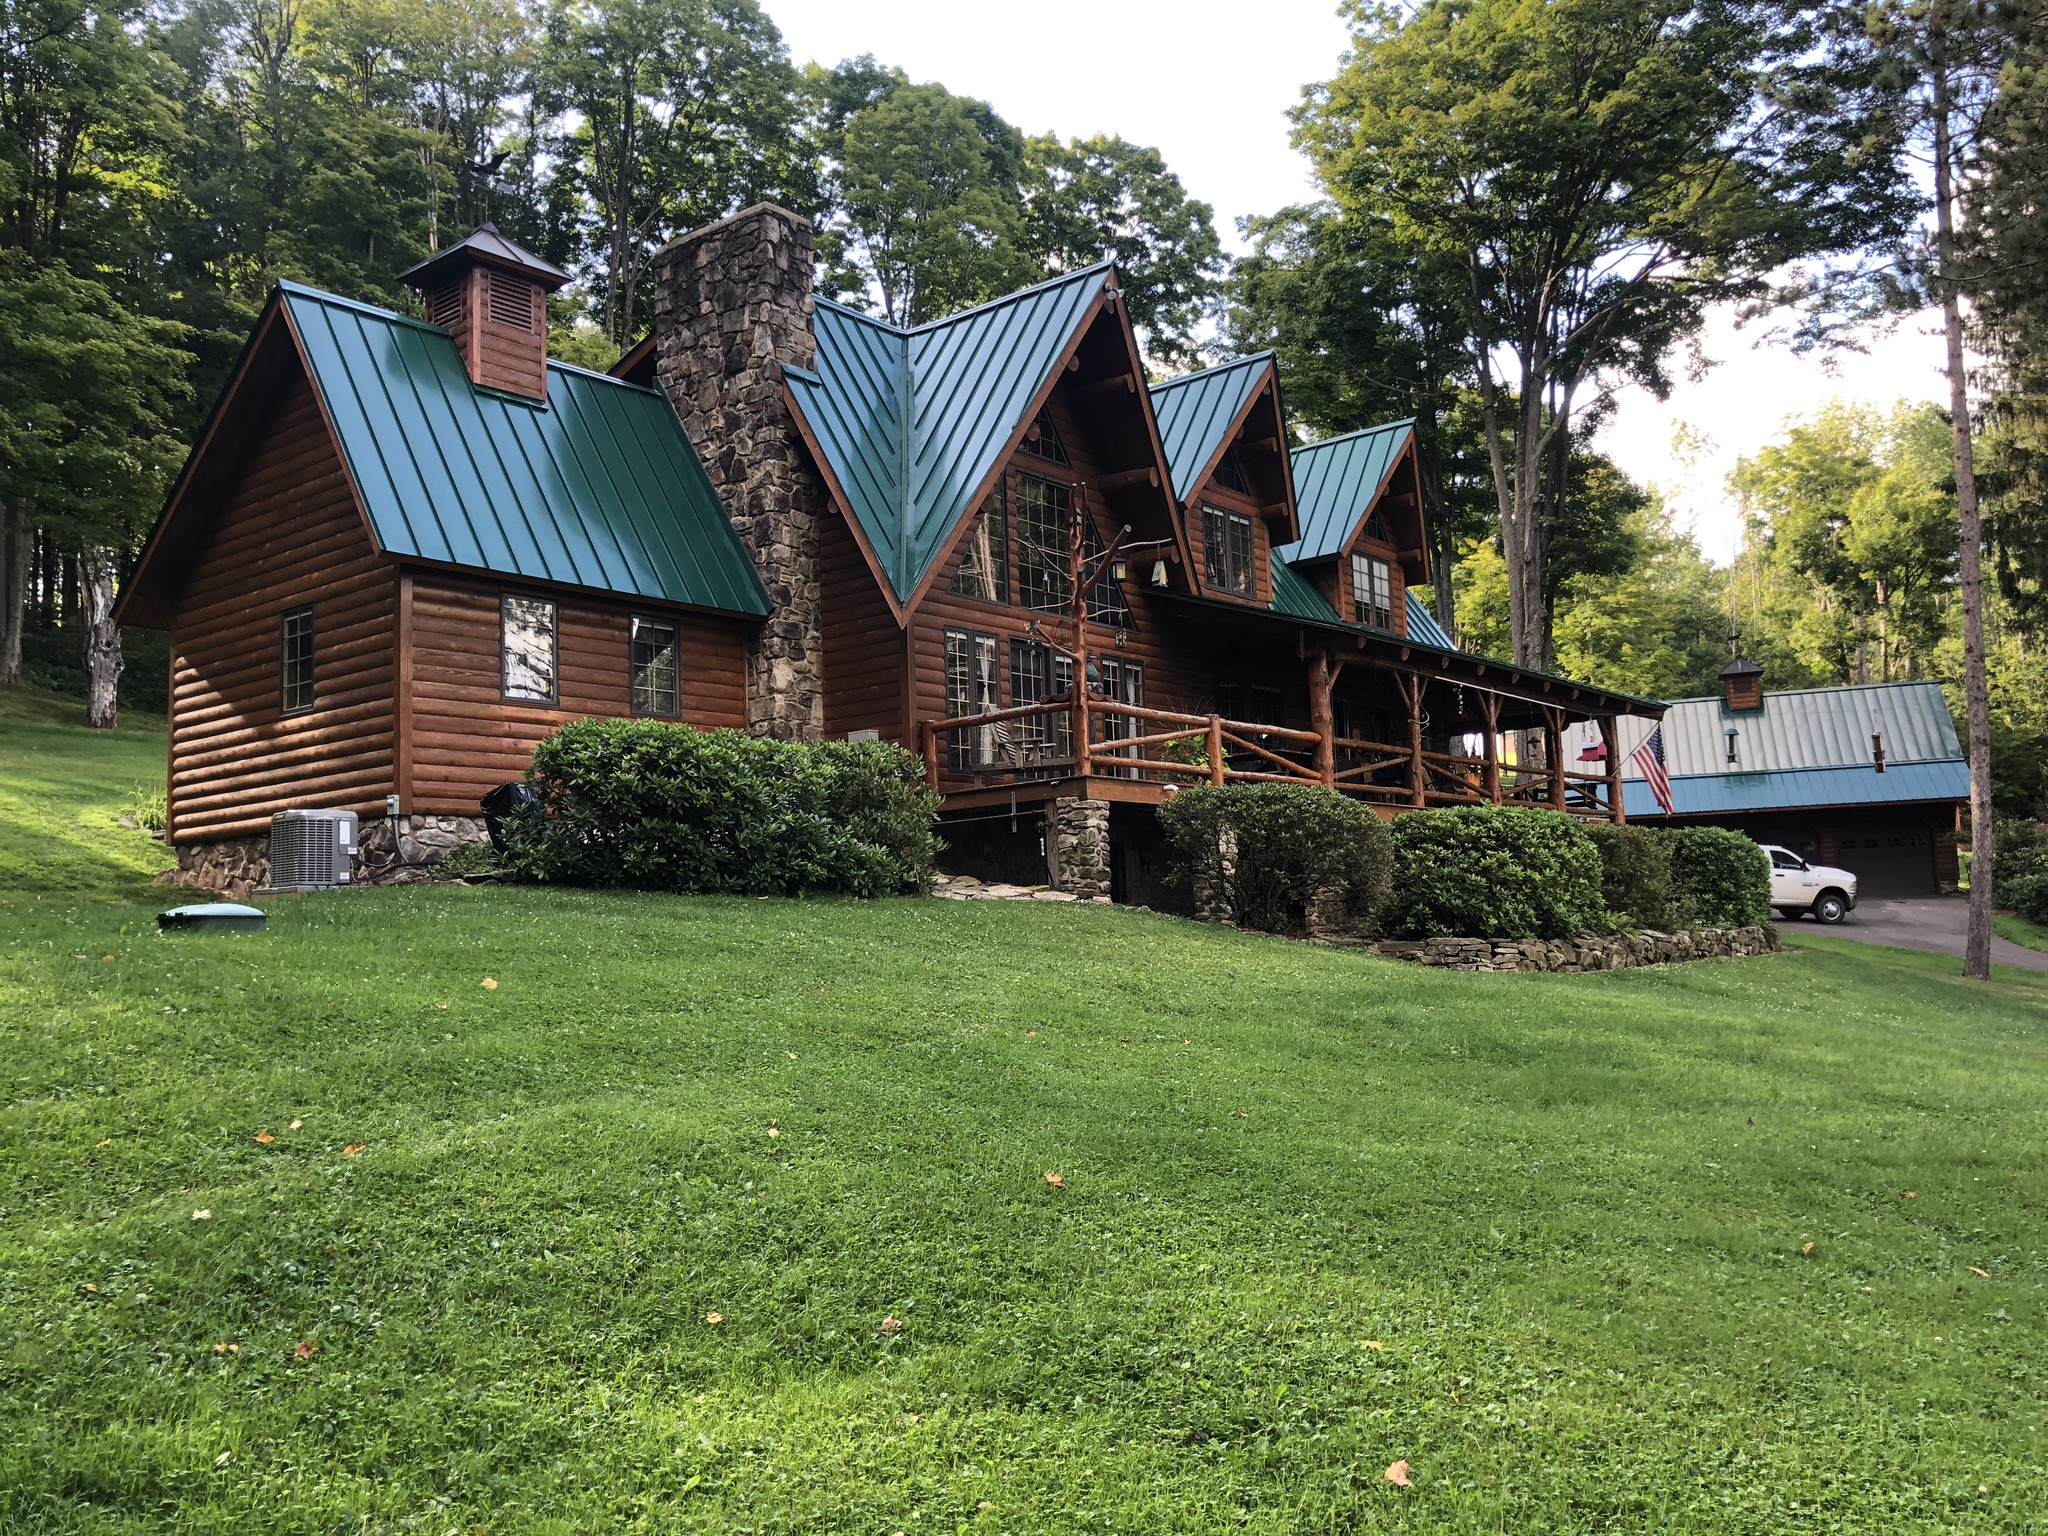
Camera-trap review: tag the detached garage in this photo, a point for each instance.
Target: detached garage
(1870, 777)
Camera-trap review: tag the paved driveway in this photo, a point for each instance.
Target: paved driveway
(1935, 925)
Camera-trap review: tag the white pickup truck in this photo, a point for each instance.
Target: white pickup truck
(1797, 886)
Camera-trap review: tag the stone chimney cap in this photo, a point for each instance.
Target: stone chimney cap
(485, 246)
(1742, 667)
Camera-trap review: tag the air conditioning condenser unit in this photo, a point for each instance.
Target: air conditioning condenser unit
(311, 850)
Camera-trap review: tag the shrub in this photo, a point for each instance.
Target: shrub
(2019, 880)
(1720, 878)
(657, 806)
(1635, 878)
(1489, 873)
(1269, 854)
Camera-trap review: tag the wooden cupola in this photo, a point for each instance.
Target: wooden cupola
(492, 296)
(1742, 684)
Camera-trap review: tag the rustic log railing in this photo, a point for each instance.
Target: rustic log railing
(1252, 752)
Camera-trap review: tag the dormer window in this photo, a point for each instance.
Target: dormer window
(1372, 591)
(1227, 543)
(1042, 438)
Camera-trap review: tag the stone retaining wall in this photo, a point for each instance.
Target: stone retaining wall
(386, 854)
(1615, 953)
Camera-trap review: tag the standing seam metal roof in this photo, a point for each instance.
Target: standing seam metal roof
(1798, 730)
(1335, 480)
(1196, 409)
(910, 422)
(597, 488)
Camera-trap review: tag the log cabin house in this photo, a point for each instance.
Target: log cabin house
(403, 551)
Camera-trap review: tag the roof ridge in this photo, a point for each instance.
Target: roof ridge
(1785, 693)
(341, 301)
(852, 313)
(1236, 362)
(1345, 437)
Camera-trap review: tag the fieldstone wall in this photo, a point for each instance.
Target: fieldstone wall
(732, 309)
(1080, 830)
(233, 866)
(392, 852)
(1615, 953)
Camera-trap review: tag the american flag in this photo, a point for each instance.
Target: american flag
(1649, 762)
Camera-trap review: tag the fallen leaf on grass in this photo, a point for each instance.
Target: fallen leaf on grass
(1908, 1194)
(264, 1138)
(1870, 1290)
(202, 1215)
(105, 958)
(1030, 1034)
(1055, 1181)
(1397, 1474)
(1807, 1249)
(1241, 1114)
(892, 1325)
(89, 1287)
(1982, 1274)
(774, 1131)
(227, 1349)
(353, 1148)
(306, 1349)
(490, 984)
(223, 1458)
(1374, 1344)
(78, 957)
(107, 1143)
(790, 1054)
(295, 1125)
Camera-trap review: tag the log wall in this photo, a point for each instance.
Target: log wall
(286, 533)
(464, 738)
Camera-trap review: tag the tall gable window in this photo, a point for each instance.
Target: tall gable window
(295, 658)
(1227, 546)
(1045, 561)
(1038, 673)
(526, 649)
(1043, 439)
(985, 568)
(657, 681)
(1372, 592)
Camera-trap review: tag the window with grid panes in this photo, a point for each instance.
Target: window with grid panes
(984, 571)
(1038, 673)
(1123, 682)
(1042, 439)
(657, 685)
(1045, 562)
(1227, 546)
(1372, 591)
(295, 657)
(971, 689)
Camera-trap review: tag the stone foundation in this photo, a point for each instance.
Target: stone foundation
(1080, 831)
(387, 853)
(1616, 953)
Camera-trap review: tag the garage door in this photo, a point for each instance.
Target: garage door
(1890, 858)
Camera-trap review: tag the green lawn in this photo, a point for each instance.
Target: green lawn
(1545, 1238)
(63, 789)
(2012, 926)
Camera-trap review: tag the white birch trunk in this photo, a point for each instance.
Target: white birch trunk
(102, 638)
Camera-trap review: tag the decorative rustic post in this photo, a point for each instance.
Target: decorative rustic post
(1216, 750)
(1418, 778)
(930, 743)
(1553, 755)
(1076, 547)
(1489, 706)
(1320, 717)
(1616, 812)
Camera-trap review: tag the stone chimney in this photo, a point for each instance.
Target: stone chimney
(1742, 684)
(732, 309)
(492, 296)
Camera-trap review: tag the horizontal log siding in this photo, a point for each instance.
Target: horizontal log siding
(286, 534)
(467, 739)
(863, 658)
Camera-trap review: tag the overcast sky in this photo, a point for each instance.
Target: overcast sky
(1210, 84)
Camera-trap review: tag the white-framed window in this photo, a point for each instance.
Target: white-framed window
(295, 660)
(1227, 547)
(657, 680)
(1372, 592)
(528, 652)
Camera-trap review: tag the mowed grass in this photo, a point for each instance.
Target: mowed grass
(63, 790)
(2012, 926)
(1546, 1239)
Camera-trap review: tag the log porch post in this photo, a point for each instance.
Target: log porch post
(1216, 750)
(1553, 755)
(1489, 706)
(1320, 717)
(1616, 813)
(1411, 688)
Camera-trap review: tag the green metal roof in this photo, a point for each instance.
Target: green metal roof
(1294, 596)
(1335, 481)
(910, 422)
(1196, 410)
(598, 487)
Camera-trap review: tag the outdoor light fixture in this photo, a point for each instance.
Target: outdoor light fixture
(1118, 570)
(1123, 638)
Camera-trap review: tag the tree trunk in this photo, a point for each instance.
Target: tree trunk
(1976, 690)
(102, 638)
(13, 589)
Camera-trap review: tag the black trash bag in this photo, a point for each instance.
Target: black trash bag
(500, 803)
